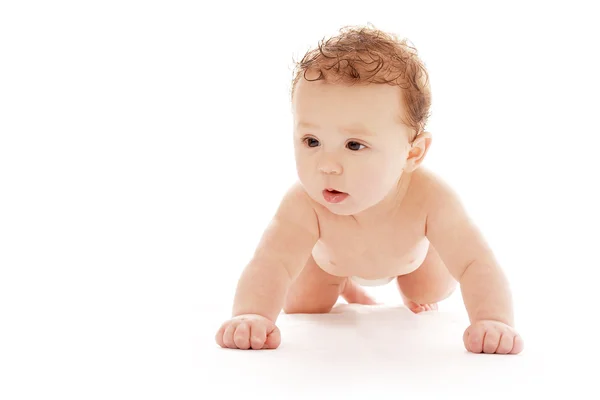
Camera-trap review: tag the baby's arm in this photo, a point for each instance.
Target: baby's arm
(467, 256)
(469, 259)
(281, 254)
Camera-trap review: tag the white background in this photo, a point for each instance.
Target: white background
(145, 145)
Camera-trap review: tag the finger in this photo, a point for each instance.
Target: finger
(219, 335)
(518, 345)
(228, 335)
(491, 341)
(475, 341)
(258, 336)
(466, 338)
(241, 337)
(273, 337)
(506, 343)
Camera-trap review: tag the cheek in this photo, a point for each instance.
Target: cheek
(303, 168)
(369, 174)
(378, 174)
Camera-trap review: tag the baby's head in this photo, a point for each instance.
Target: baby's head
(360, 104)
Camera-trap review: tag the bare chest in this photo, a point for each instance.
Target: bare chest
(392, 248)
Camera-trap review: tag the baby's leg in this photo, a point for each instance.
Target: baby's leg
(314, 291)
(428, 284)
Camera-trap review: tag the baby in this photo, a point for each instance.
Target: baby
(364, 211)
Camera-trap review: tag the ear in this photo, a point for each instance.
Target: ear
(418, 150)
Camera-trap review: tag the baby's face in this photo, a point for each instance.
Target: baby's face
(350, 139)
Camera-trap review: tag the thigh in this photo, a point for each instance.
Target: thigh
(313, 291)
(430, 283)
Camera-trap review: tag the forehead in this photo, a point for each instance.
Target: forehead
(375, 103)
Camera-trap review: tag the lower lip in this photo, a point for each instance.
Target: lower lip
(334, 197)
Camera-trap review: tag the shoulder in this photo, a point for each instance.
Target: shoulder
(296, 195)
(297, 207)
(434, 197)
(443, 208)
(426, 189)
(430, 188)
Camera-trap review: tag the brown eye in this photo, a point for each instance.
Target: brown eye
(355, 146)
(311, 142)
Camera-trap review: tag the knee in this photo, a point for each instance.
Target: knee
(426, 292)
(313, 301)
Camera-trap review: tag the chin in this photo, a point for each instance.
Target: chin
(343, 213)
(342, 209)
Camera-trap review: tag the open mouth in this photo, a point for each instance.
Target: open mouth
(334, 196)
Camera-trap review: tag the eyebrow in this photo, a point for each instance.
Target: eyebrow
(355, 129)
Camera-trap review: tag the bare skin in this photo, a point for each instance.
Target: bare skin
(344, 250)
(395, 219)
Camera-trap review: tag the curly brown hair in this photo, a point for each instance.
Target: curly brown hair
(365, 55)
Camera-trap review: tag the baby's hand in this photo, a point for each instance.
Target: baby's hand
(492, 337)
(249, 331)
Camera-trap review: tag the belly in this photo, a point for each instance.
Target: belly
(369, 265)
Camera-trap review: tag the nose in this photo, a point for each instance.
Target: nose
(330, 166)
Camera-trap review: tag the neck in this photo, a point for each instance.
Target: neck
(388, 206)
